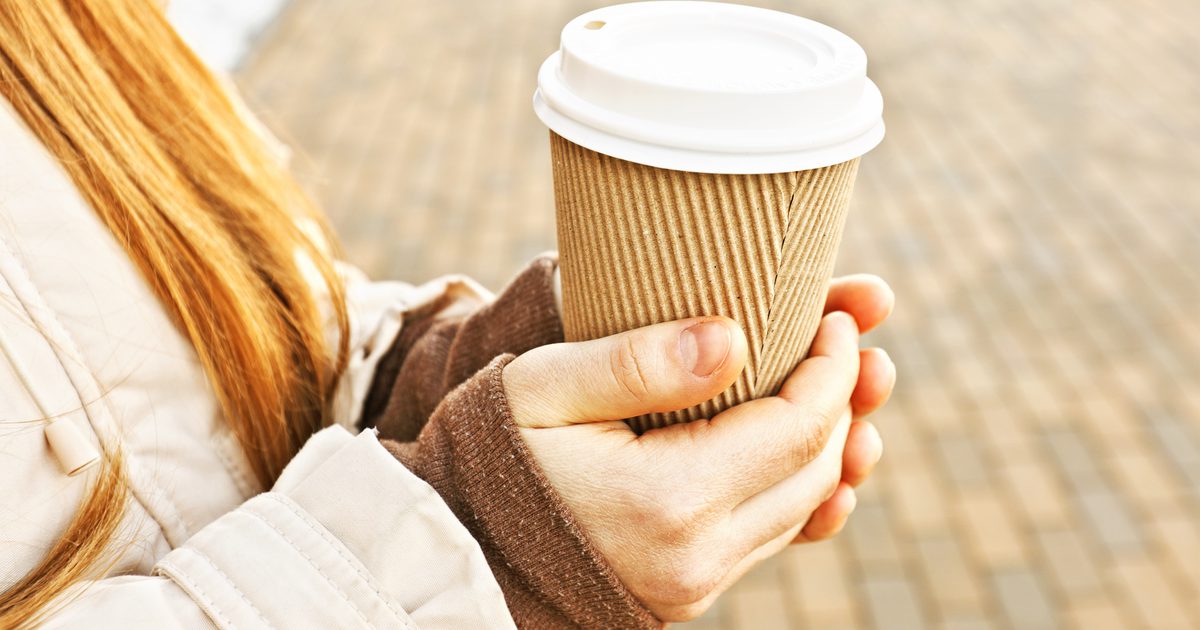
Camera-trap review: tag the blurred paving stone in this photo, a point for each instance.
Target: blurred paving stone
(1145, 476)
(1036, 490)
(949, 577)
(893, 604)
(992, 532)
(1037, 221)
(963, 457)
(1072, 564)
(967, 622)
(1118, 417)
(1075, 459)
(710, 620)
(1025, 600)
(903, 441)
(1177, 533)
(761, 606)
(1097, 613)
(1181, 445)
(1110, 520)
(820, 590)
(916, 495)
(1011, 439)
(873, 538)
(1155, 597)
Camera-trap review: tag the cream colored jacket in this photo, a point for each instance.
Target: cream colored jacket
(346, 538)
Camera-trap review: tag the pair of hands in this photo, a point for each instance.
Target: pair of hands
(682, 512)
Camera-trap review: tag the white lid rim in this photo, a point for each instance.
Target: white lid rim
(699, 161)
(858, 120)
(710, 87)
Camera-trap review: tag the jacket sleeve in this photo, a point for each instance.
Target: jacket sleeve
(310, 553)
(380, 312)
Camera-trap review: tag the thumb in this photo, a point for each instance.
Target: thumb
(657, 368)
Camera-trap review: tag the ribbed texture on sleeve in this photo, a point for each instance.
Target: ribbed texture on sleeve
(431, 356)
(472, 453)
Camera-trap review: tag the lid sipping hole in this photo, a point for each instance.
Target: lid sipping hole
(594, 25)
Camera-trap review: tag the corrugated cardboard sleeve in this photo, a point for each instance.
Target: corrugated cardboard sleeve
(640, 245)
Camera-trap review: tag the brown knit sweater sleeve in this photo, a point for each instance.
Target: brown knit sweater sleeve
(445, 416)
(472, 453)
(432, 354)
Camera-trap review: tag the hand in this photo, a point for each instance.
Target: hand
(683, 511)
(869, 299)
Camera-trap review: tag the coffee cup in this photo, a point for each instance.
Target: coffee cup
(703, 157)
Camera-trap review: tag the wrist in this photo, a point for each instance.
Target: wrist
(473, 454)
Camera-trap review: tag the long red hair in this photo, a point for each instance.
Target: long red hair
(209, 216)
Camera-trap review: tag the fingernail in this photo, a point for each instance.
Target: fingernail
(891, 364)
(705, 346)
(846, 318)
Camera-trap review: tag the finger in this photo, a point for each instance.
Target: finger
(830, 517)
(756, 444)
(864, 448)
(765, 515)
(866, 297)
(825, 380)
(657, 368)
(876, 380)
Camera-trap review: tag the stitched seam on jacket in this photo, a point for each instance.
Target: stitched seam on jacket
(333, 583)
(202, 598)
(66, 343)
(175, 574)
(233, 585)
(340, 548)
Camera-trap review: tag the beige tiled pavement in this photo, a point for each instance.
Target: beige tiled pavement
(1036, 206)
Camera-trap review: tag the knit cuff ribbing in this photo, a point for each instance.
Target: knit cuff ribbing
(473, 454)
(522, 317)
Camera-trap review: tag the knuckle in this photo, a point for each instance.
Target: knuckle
(814, 435)
(628, 369)
(681, 517)
(689, 580)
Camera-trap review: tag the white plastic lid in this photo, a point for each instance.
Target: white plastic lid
(710, 87)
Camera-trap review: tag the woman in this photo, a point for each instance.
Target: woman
(188, 375)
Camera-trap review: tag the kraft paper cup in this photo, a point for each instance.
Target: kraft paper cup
(703, 158)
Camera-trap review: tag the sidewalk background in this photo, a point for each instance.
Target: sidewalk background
(1036, 206)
